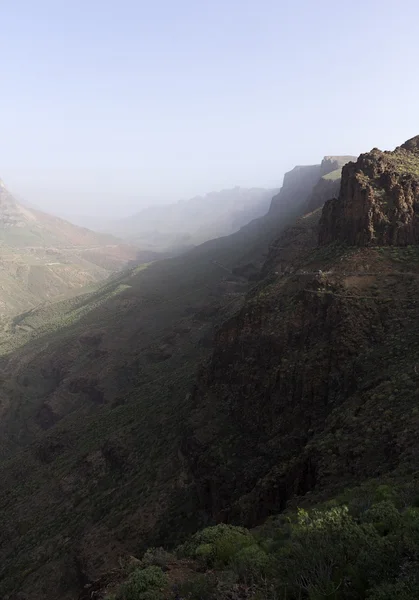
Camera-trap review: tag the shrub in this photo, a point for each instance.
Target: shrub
(205, 553)
(384, 516)
(200, 587)
(322, 550)
(215, 546)
(393, 591)
(229, 544)
(143, 584)
(157, 557)
(252, 563)
(384, 492)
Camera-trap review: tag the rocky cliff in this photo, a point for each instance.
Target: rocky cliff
(306, 389)
(328, 185)
(378, 202)
(306, 188)
(309, 387)
(295, 190)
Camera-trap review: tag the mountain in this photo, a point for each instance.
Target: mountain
(43, 256)
(310, 386)
(328, 185)
(378, 200)
(309, 400)
(308, 187)
(220, 387)
(191, 222)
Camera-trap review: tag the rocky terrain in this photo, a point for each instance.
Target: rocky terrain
(43, 257)
(224, 387)
(328, 185)
(378, 200)
(308, 187)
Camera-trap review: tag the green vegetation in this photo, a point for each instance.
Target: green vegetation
(404, 162)
(135, 343)
(404, 258)
(178, 395)
(362, 545)
(43, 257)
(334, 175)
(143, 584)
(214, 546)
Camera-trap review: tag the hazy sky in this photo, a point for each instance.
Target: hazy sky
(107, 104)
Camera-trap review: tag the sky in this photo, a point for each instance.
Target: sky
(108, 106)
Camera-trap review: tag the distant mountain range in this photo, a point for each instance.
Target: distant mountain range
(190, 222)
(179, 394)
(42, 256)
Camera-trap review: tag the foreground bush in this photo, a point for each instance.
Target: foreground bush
(143, 584)
(216, 546)
(365, 547)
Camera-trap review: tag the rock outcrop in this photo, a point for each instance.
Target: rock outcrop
(306, 188)
(328, 185)
(295, 190)
(378, 203)
(309, 385)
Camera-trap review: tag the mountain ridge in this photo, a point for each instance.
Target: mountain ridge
(199, 390)
(44, 256)
(377, 204)
(190, 222)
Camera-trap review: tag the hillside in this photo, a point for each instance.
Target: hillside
(310, 186)
(109, 370)
(191, 222)
(217, 386)
(328, 185)
(377, 204)
(43, 256)
(309, 386)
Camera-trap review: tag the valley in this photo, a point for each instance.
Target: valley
(180, 226)
(223, 389)
(209, 301)
(43, 257)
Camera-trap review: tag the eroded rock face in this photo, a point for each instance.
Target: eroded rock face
(378, 203)
(305, 188)
(323, 191)
(296, 188)
(280, 367)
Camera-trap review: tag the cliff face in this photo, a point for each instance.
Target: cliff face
(328, 185)
(306, 188)
(323, 191)
(378, 202)
(309, 387)
(295, 190)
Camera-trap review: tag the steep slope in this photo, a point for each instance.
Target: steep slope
(378, 200)
(297, 186)
(191, 222)
(95, 402)
(43, 256)
(307, 188)
(328, 185)
(310, 387)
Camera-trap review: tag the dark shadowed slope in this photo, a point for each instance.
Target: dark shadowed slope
(99, 427)
(308, 398)
(313, 383)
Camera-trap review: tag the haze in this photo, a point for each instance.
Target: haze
(106, 107)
